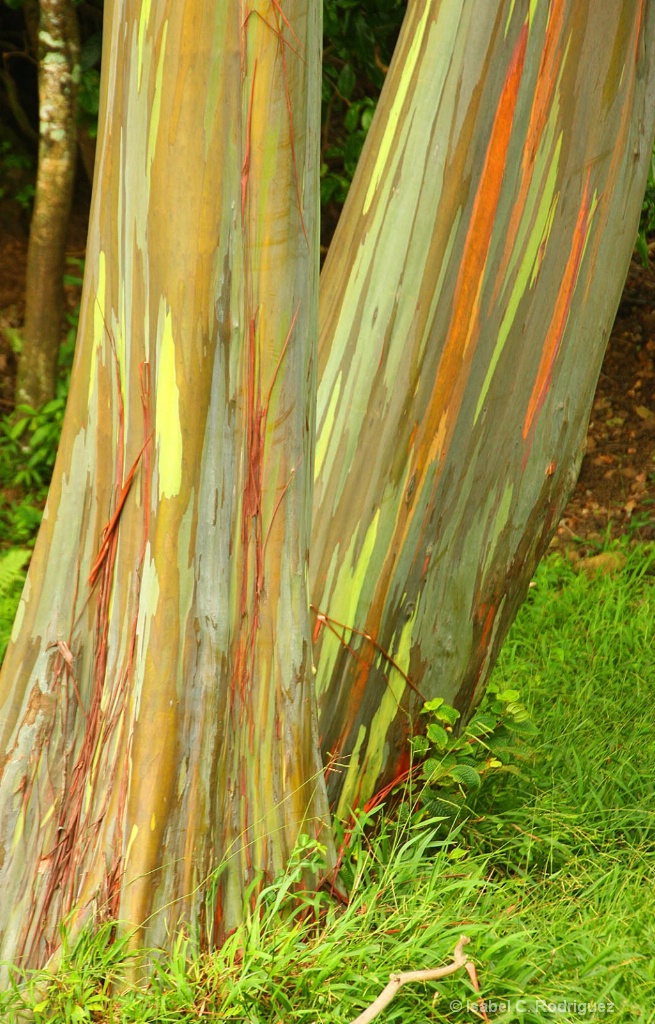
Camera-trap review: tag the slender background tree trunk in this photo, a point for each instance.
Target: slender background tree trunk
(59, 73)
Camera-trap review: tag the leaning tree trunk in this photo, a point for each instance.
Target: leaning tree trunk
(157, 708)
(465, 306)
(59, 73)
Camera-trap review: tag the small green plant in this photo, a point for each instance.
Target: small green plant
(30, 443)
(28, 447)
(454, 765)
(29, 439)
(12, 577)
(81, 988)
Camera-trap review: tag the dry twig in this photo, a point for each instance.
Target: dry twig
(396, 981)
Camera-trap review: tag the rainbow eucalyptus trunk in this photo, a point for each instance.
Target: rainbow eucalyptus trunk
(465, 307)
(157, 708)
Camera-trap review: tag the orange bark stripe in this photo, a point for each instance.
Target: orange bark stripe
(476, 247)
(547, 78)
(452, 372)
(451, 375)
(560, 314)
(640, 18)
(456, 358)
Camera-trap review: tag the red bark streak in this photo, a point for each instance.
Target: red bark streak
(74, 836)
(253, 490)
(276, 508)
(277, 31)
(322, 618)
(370, 805)
(464, 320)
(245, 168)
(109, 531)
(560, 315)
(318, 626)
(251, 532)
(286, 21)
(116, 713)
(639, 22)
(486, 629)
(281, 357)
(75, 829)
(252, 497)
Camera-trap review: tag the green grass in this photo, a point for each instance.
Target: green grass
(552, 878)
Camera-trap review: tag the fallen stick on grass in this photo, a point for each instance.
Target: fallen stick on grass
(396, 981)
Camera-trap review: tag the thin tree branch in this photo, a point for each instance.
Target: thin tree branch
(396, 981)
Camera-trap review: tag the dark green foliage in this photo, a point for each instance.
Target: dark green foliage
(16, 166)
(28, 445)
(647, 220)
(88, 97)
(359, 38)
(454, 765)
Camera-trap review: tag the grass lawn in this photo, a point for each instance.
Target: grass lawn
(552, 877)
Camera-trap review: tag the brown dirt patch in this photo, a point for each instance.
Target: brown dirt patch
(615, 494)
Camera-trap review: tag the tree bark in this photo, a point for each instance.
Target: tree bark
(58, 80)
(158, 711)
(466, 302)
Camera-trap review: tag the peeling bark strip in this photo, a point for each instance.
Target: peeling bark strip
(59, 73)
(465, 306)
(157, 710)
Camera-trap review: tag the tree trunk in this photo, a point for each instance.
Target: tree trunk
(466, 302)
(58, 78)
(158, 711)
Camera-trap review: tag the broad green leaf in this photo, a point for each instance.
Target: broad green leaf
(466, 775)
(437, 735)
